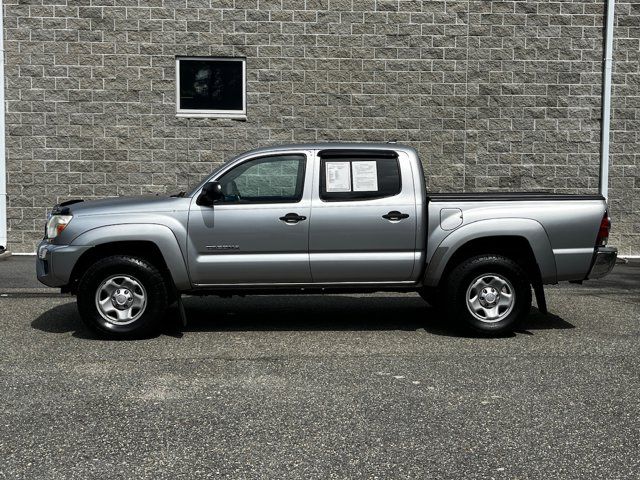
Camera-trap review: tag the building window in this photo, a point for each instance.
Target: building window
(211, 87)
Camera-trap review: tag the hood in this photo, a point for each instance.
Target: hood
(120, 205)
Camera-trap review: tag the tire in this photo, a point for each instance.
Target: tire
(489, 294)
(132, 292)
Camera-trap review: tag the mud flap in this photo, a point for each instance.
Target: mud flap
(181, 311)
(538, 289)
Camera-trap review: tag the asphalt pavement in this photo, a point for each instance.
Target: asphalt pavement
(321, 387)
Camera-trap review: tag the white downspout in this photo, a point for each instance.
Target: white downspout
(3, 160)
(606, 100)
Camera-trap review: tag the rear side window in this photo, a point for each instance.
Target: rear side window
(360, 178)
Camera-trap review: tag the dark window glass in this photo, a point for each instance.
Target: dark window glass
(388, 180)
(206, 84)
(275, 179)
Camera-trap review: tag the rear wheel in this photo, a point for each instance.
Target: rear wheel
(122, 296)
(490, 294)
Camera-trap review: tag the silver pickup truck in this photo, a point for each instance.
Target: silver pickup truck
(316, 218)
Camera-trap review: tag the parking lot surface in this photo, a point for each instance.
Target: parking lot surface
(306, 387)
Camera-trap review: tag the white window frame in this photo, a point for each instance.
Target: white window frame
(203, 113)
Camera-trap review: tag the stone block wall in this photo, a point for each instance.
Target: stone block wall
(495, 95)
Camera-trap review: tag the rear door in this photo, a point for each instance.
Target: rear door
(259, 233)
(363, 226)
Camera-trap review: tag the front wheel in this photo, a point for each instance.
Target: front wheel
(122, 296)
(490, 294)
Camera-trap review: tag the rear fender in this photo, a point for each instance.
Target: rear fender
(529, 229)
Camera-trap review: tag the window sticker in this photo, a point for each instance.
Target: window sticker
(365, 176)
(338, 176)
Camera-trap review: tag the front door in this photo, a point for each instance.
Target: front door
(363, 226)
(257, 234)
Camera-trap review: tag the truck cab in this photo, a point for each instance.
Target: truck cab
(295, 216)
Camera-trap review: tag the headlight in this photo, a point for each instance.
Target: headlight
(56, 224)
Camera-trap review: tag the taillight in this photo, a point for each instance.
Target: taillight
(603, 232)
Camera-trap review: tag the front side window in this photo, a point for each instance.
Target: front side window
(211, 87)
(273, 179)
(344, 178)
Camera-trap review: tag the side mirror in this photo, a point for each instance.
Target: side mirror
(211, 192)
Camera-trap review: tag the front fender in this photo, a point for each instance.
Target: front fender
(161, 235)
(531, 230)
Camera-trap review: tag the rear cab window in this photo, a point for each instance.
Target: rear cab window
(356, 175)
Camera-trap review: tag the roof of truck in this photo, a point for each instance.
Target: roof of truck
(334, 145)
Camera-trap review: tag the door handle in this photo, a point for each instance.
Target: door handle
(394, 216)
(291, 218)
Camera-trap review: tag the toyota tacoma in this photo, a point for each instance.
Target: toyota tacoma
(317, 218)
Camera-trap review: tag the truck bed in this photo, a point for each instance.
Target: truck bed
(565, 226)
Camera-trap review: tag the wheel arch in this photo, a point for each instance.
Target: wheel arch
(523, 240)
(155, 243)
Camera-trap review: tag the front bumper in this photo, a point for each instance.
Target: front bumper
(54, 263)
(603, 262)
